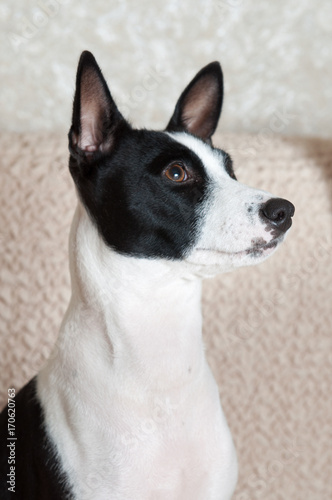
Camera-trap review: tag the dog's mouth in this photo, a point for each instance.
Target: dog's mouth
(259, 248)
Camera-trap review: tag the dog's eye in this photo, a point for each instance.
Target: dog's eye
(176, 173)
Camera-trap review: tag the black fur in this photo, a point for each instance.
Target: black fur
(37, 466)
(120, 174)
(160, 219)
(228, 163)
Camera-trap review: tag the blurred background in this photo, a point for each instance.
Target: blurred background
(276, 58)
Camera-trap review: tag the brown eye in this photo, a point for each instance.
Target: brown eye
(176, 173)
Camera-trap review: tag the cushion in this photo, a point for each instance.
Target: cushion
(267, 329)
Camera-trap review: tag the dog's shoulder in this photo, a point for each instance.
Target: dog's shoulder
(31, 458)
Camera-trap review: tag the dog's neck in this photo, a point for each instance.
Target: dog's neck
(141, 317)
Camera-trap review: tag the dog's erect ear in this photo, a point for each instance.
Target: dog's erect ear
(95, 115)
(199, 107)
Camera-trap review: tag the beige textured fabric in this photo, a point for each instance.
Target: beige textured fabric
(267, 328)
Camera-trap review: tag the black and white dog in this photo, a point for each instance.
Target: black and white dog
(126, 407)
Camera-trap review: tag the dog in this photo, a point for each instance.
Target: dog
(126, 408)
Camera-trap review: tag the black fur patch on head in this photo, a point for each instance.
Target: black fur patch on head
(120, 172)
(137, 209)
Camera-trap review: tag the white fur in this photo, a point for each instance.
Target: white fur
(128, 396)
(227, 229)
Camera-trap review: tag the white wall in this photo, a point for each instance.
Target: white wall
(276, 56)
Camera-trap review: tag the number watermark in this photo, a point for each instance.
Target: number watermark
(11, 442)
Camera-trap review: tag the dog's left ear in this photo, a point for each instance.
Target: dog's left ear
(199, 107)
(96, 118)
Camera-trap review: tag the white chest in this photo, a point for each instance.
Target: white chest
(128, 396)
(176, 448)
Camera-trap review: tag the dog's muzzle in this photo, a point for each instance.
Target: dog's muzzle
(278, 213)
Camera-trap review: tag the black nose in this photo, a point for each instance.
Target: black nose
(279, 213)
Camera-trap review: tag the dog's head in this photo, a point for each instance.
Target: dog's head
(169, 194)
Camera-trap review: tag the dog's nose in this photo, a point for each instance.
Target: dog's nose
(279, 213)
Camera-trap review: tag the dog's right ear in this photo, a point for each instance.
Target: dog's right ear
(199, 106)
(96, 119)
